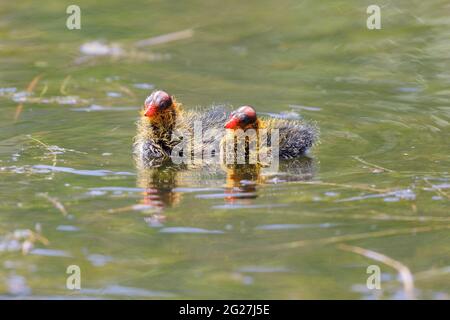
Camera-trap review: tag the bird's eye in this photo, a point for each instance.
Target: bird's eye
(243, 117)
(165, 102)
(162, 100)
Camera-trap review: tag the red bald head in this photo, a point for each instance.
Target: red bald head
(157, 102)
(242, 118)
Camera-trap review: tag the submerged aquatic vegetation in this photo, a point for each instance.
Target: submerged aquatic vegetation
(22, 240)
(377, 187)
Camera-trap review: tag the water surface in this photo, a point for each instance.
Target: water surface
(71, 195)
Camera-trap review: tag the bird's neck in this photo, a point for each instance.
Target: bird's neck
(162, 125)
(230, 141)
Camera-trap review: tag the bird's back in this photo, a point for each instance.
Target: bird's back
(295, 137)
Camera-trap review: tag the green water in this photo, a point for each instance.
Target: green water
(378, 180)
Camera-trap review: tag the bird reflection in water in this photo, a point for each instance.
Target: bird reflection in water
(159, 189)
(242, 180)
(159, 183)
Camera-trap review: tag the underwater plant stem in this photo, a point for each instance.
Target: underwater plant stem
(29, 89)
(372, 164)
(437, 189)
(348, 186)
(359, 236)
(56, 203)
(404, 272)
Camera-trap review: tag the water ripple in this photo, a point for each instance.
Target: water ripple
(41, 168)
(397, 195)
(248, 206)
(50, 253)
(226, 195)
(189, 230)
(67, 228)
(117, 290)
(95, 107)
(262, 269)
(294, 226)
